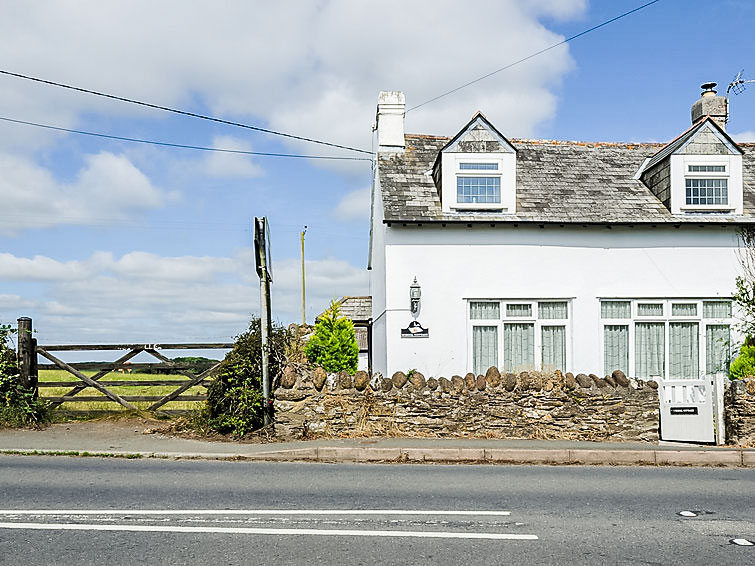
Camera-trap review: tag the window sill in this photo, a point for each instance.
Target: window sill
(492, 207)
(707, 208)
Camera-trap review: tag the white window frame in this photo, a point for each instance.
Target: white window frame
(667, 318)
(680, 172)
(534, 319)
(480, 173)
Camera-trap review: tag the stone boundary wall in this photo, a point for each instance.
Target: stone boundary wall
(309, 403)
(739, 410)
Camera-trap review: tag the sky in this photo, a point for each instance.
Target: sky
(106, 241)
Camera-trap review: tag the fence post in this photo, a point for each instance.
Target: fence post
(26, 353)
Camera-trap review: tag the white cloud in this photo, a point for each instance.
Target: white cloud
(144, 297)
(324, 84)
(231, 165)
(744, 137)
(354, 206)
(108, 187)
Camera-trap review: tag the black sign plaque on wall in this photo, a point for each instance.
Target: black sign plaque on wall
(415, 330)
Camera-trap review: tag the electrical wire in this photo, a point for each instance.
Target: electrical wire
(532, 55)
(179, 145)
(177, 111)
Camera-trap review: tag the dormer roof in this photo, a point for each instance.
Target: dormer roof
(678, 144)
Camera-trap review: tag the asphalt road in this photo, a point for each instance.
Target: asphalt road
(60, 510)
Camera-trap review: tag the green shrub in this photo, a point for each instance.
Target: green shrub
(333, 344)
(235, 403)
(19, 405)
(744, 365)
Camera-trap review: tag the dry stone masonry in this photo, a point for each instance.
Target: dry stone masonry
(310, 402)
(739, 405)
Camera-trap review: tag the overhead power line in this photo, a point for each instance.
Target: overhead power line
(532, 55)
(179, 145)
(177, 111)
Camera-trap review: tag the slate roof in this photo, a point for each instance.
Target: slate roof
(357, 309)
(557, 182)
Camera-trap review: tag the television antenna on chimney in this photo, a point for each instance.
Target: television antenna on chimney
(737, 86)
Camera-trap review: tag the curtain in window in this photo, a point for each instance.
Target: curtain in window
(484, 348)
(615, 309)
(523, 310)
(649, 349)
(518, 346)
(684, 354)
(717, 309)
(616, 348)
(683, 309)
(552, 310)
(717, 339)
(554, 347)
(484, 310)
(649, 309)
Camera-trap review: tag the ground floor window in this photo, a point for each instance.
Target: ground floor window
(672, 339)
(523, 334)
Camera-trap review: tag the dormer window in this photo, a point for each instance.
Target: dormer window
(478, 183)
(699, 172)
(706, 185)
(476, 171)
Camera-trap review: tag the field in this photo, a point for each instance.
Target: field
(62, 378)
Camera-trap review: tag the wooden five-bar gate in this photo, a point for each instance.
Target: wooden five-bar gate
(28, 350)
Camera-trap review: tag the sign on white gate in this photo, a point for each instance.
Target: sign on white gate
(687, 409)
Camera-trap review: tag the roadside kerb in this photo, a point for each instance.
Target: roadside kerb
(699, 457)
(524, 456)
(613, 457)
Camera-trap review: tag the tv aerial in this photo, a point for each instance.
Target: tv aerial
(737, 86)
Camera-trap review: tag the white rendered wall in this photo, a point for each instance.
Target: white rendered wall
(377, 281)
(582, 265)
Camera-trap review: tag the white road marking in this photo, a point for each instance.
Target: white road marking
(742, 542)
(251, 512)
(687, 514)
(260, 531)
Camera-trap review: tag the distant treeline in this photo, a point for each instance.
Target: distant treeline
(198, 365)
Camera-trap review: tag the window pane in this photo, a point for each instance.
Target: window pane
(707, 169)
(552, 310)
(649, 349)
(484, 348)
(717, 309)
(518, 346)
(684, 353)
(707, 191)
(478, 166)
(615, 309)
(717, 356)
(484, 310)
(649, 309)
(683, 309)
(477, 190)
(523, 310)
(554, 347)
(616, 348)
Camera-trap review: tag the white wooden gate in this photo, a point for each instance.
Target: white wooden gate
(688, 407)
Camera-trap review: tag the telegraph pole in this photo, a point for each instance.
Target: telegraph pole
(263, 271)
(303, 282)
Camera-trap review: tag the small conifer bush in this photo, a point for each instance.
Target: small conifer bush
(333, 344)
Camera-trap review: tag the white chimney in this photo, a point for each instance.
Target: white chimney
(390, 121)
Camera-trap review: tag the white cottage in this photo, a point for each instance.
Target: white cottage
(535, 254)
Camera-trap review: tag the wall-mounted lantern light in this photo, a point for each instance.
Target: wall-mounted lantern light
(414, 294)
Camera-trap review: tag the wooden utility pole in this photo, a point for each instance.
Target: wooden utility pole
(263, 271)
(303, 282)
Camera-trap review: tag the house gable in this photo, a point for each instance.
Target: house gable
(476, 170)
